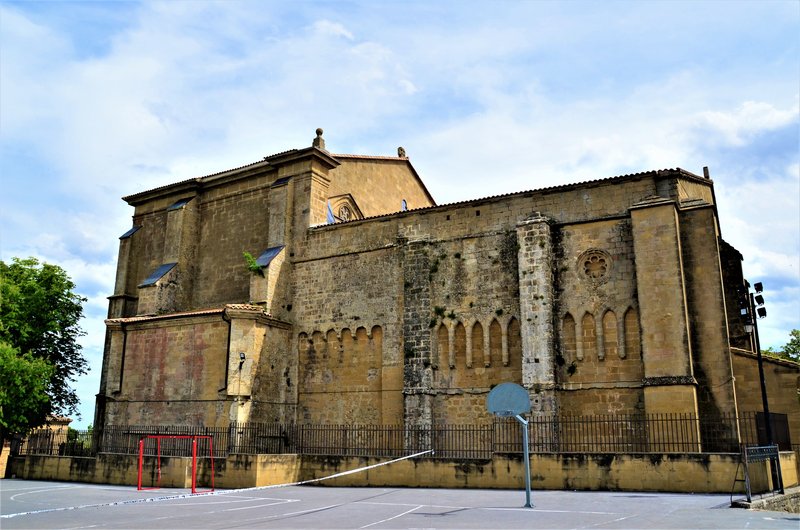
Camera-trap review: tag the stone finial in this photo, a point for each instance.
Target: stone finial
(319, 142)
(401, 152)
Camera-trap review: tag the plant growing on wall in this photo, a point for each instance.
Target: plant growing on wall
(252, 264)
(572, 368)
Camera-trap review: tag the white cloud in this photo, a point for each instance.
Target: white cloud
(749, 119)
(29, 52)
(328, 28)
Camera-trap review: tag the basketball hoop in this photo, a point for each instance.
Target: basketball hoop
(510, 400)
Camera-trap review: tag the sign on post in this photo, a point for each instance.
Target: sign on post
(761, 454)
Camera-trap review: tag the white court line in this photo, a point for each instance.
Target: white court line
(486, 508)
(233, 501)
(279, 501)
(206, 494)
(395, 517)
(613, 520)
(30, 488)
(14, 497)
(534, 509)
(310, 510)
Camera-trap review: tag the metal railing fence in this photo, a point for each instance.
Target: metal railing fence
(61, 442)
(447, 441)
(621, 434)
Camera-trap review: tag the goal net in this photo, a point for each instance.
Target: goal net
(153, 447)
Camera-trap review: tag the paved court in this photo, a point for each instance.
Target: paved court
(36, 504)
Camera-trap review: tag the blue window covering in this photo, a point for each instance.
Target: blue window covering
(130, 232)
(180, 204)
(158, 274)
(268, 255)
(330, 218)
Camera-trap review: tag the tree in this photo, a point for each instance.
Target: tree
(24, 402)
(790, 350)
(39, 319)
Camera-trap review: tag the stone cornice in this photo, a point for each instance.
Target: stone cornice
(670, 380)
(310, 152)
(652, 201)
(253, 312)
(599, 384)
(123, 296)
(228, 311)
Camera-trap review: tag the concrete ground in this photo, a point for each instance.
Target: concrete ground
(37, 504)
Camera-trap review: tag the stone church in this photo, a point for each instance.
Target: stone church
(314, 287)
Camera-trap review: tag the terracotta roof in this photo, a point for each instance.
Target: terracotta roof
(195, 180)
(280, 154)
(182, 314)
(550, 189)
(371, 157)
(52, 418)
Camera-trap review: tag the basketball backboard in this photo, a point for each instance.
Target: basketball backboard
(508, 399)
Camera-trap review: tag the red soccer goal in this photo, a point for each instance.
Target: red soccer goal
(158, 438)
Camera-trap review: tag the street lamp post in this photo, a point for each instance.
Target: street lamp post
(754, 311)
(764, 400)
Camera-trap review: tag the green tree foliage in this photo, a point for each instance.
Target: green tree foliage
(39, 319)
(793, 346)
(24, 402)
(790, 350)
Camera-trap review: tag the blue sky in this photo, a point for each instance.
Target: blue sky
(103, 99)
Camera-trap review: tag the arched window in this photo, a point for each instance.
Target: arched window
(514, 344)
(461, 345)
(589, 337)
(442, 343)
(478, 350)
(568, 338)
(610, 339)
(633, 345)
(495, 354)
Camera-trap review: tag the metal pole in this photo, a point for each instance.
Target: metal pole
(141, 451)
(194, 464)
(764, 401)
(211, 451)
(524, 423)
(774, 464)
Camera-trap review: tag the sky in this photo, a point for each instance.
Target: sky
(103, 99)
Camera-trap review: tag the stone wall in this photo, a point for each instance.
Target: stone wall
(347, 337)
(782, 380)
(275, 378)
(232, 221)
(206, 368)
(708, 323)
(378, 184)
(456, 271)
(343, 379)
(169, 373)
(599, 362)
(689, 473)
